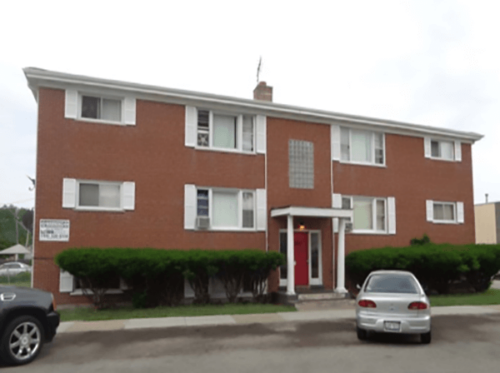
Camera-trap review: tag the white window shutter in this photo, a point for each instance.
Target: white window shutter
(458, 151)
(189, 206)
(336, 204)
(261, 209)
(128, 195)
(65, 282)
(69, 193)
(427, 147)
(391, 209)
(335, 138)
(129, 110)
(261, 133)
(71, 104)
(430, 210)
(191, 126)
(460, 212)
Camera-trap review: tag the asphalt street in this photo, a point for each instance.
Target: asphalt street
(469, 343)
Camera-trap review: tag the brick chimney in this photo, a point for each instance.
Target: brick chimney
(263, 92)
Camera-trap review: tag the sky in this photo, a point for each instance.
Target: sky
(435, 63)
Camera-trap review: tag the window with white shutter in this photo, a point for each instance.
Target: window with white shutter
(224, 209)
(370, 214)
(223, 131)
(98, 195)
(443, 149)
(98, 108)
(358, 146)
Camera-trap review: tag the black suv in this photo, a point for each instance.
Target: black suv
(28, 319)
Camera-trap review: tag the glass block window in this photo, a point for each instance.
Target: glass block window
(301, 164)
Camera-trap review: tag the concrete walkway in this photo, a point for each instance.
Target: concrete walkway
(280, 317)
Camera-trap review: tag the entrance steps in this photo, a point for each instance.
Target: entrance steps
(318, 299)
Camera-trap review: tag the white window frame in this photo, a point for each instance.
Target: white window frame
(239, 196)
(373, 155)
(442, 221)
(440, 142)
(121, 99)
(374, 215)
(239, 132)
(97, 208)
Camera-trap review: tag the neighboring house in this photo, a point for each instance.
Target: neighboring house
(487, 222)
(130, 165)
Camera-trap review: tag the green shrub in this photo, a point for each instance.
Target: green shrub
(436, 266)
(420, 241)
(139, 299)
(156, 277)
(252, 266)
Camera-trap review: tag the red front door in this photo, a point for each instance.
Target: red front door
(301, 254)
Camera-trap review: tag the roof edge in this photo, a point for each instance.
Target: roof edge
(37, 76)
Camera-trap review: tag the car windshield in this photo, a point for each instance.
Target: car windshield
(391, 283)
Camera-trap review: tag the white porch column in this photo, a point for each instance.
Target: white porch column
(341, 259)
(290, 285)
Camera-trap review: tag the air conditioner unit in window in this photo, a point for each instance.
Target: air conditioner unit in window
(348, 226)
(202, 222)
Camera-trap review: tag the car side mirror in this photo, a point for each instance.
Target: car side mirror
(358, 286)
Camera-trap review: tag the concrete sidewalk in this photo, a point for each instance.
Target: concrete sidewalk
(280, 317)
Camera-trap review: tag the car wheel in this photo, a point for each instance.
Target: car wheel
(425, 338)
(362, 334)
(22, 340)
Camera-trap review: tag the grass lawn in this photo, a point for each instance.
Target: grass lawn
(90, 314)
(24, 284)
(491, 296)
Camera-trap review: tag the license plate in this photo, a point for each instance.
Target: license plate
(392, 325)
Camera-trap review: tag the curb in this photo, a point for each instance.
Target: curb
(261, 318)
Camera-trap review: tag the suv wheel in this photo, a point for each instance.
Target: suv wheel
(22, 340)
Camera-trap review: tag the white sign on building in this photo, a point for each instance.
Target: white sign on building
(54, 230)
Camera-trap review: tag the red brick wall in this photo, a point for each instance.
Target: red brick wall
(153, 155)
(412, 179)
(279, 193)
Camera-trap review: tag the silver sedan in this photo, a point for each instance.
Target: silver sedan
(393, 302)
(13, 268)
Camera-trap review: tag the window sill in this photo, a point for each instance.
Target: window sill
(99, 209)
(442, 159)
(80, 292)
(225, 150)
(363, 164)
(445, 222)
(100, 121)
(244, 230)
(378, 233)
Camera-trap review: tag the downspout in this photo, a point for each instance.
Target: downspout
(331, 195)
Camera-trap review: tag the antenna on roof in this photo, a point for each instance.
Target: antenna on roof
(259, 67)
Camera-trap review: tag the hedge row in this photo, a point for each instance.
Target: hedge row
(156, 277)
(437, 266)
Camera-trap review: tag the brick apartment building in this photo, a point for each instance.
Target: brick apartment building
(130, 165)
